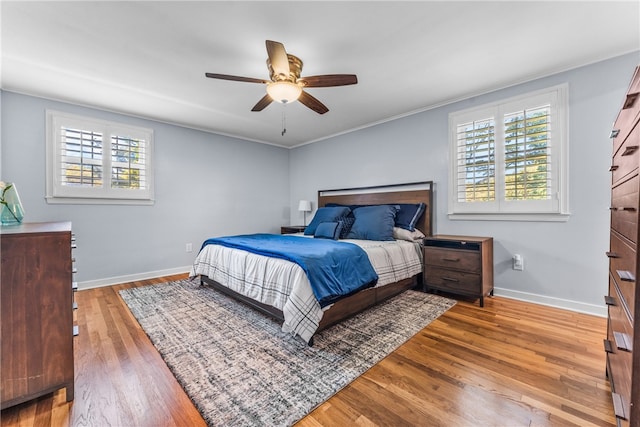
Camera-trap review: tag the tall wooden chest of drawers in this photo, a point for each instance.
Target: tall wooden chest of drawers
(36, 297)
(623, 336)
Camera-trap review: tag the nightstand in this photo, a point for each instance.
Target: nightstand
(459, 264)
(292, 229)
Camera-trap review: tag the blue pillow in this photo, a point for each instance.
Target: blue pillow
(347, 223)
(328, 230)
(409, 214)
(374, 222)
(326, 214)
(407, 217)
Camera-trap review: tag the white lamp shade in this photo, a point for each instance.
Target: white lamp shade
(284, 92)
(304, 206)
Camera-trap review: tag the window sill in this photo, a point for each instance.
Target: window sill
(531, 217)
(96, 201)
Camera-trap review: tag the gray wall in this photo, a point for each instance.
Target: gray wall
(205, 185)
(564, 262)
(208, 185)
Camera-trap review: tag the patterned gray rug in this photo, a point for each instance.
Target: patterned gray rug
(240, 369)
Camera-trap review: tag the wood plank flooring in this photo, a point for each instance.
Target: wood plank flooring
(508, 364)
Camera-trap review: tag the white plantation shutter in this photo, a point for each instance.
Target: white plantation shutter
(128, 162)
(475, 153)
(80, 157)
(95, 161)
(527, 154)
(509, 159)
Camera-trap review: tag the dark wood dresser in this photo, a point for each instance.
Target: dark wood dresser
(623, 363)
(459, 264)
(36, 297)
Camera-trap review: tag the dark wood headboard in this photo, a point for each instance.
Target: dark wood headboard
(414, 192)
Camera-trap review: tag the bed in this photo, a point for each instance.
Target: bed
(280, 288)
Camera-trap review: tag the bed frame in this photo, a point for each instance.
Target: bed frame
(415, 192)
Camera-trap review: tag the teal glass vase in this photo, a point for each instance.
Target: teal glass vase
(12, 212)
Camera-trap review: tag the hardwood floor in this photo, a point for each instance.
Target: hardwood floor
(508, 364)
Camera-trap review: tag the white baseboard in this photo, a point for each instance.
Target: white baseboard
(131, 278)
(580, 307)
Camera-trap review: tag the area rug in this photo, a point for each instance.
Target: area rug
(239, 368)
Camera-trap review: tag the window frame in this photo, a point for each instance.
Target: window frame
(556, 208)
(56, 193)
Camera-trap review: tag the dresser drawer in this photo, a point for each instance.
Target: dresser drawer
(626, 120)
(619, 364)
(622, 265)
(453, 280)
(625, 160)
(620, 361)
(469, 261)
(624, 208)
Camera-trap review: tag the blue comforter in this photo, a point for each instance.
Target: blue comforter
(335, 269)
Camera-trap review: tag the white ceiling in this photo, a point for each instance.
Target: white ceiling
(148, 59)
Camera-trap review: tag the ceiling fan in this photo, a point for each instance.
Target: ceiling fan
(286, 85)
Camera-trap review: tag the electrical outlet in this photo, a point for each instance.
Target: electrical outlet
(518, 262)
(189, 247)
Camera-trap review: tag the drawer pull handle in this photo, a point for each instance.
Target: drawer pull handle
(618, 406)
(451, 259)
(630, 100)
(612, 255)
(623, 341)
(74, 286)
(614, 133)
(609, 300)
(74, 306)
(621, 208)
(629, 150)
(613, 168)
(76, 330)
(73, 246)
(608, 347)
(625, 275)
(450, 279)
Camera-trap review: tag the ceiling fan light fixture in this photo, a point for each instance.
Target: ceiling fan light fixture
(284, 92)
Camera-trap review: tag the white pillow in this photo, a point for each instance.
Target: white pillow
(412, 236)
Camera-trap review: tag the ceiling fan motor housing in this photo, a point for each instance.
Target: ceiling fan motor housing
(295, 68)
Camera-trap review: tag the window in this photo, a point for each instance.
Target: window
(95, 161)
(509, 159)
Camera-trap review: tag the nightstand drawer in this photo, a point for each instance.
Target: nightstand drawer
(454, 280)
(469, 261)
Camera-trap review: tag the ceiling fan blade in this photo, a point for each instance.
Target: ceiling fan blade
(329, 80)
(312, 103)
(235, 78)
(263, 103)
(278, 58)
